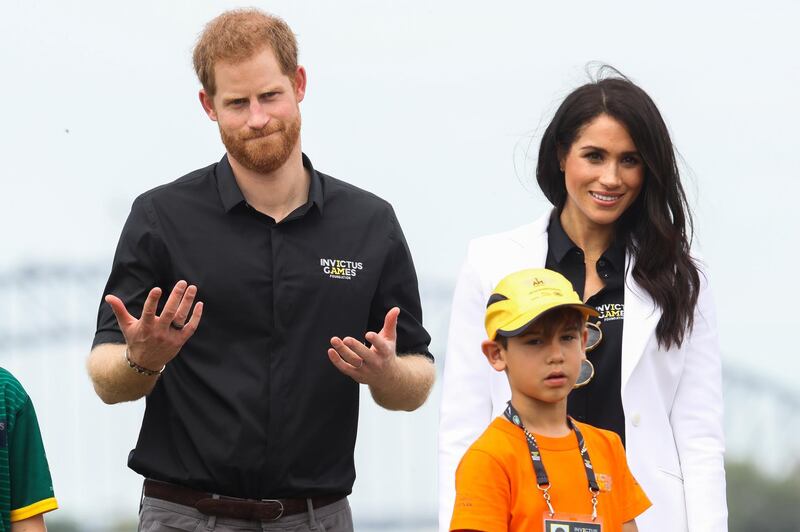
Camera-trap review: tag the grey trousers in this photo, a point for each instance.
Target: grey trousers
(163, 516)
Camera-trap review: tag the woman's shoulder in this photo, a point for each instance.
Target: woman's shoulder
(519, 238)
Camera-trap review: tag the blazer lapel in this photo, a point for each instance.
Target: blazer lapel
(641, 318)
(532, 239)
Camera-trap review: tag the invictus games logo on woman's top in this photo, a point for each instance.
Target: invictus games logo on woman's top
(611, 311)
(340, 269)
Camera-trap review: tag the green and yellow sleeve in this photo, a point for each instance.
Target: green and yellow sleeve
(31, 485)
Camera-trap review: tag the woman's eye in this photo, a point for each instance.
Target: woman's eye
(593, 156)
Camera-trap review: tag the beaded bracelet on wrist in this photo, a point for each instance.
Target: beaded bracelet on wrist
(140, 369)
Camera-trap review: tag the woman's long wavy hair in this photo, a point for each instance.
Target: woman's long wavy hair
(657, 228)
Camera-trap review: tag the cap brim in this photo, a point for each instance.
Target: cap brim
(518, 326)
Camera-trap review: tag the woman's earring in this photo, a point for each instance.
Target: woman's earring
(586, 373)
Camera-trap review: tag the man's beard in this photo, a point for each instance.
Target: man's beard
(266, 150)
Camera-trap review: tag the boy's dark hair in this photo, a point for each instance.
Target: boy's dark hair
(550, 321)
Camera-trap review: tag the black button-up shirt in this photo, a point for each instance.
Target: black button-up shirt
(251, 406)
(599, 403)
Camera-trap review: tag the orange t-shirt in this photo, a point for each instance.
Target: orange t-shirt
(496, 485)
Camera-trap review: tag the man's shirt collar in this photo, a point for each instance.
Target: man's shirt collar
(231, 195)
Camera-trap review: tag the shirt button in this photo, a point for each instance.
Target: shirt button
(601, 263)
(604, 275)
(636, 419)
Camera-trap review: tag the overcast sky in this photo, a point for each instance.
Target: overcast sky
(435, 106)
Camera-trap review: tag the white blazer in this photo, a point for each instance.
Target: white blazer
(672, 399)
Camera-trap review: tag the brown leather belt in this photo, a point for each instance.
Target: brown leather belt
(253, 509)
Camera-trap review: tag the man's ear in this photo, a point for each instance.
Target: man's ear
(495, 354)
(299, 83)
(207, 102)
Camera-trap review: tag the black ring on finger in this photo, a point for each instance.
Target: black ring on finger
(176, 326)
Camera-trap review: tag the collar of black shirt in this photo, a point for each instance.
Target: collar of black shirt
(231, 195)
(560, 244)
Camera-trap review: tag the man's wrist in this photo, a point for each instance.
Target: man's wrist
(389, 377)
(141, 370)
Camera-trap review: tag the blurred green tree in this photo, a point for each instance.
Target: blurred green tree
(758, 503)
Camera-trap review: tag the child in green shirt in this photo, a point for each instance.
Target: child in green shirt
(26, 490)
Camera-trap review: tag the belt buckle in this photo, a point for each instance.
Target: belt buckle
(280, 513)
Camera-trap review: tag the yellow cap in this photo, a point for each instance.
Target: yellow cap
(523, 296)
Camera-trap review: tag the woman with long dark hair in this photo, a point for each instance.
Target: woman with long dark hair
(620, 231)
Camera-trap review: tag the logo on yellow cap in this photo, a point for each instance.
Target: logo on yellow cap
(521, 297)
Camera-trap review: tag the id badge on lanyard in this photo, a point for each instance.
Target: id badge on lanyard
(554, 521)
(571, 523)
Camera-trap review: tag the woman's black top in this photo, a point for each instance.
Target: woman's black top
(599, 403)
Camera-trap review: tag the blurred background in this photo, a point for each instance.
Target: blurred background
(436, 107)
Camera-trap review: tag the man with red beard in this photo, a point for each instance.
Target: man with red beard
(307, 289)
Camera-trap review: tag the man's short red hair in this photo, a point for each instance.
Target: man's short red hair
(239, 34)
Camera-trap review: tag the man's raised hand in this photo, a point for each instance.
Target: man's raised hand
(373, 365)
(155, 340)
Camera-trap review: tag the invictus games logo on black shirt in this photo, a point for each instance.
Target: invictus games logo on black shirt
(340, 269)
(611, 311)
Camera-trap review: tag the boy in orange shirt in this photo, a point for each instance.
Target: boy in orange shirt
(535, 468)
